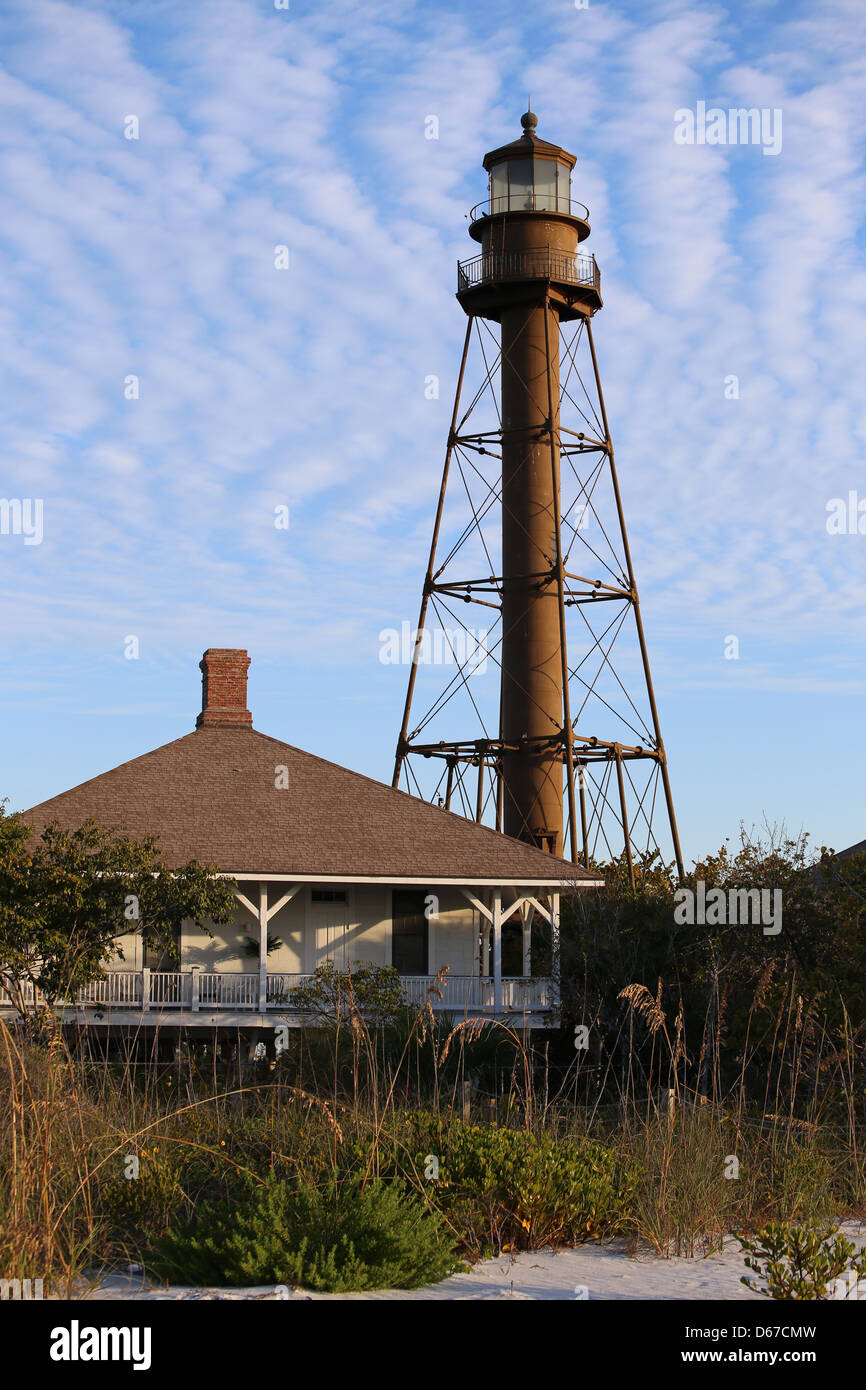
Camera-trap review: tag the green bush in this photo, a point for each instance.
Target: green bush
(796, 1262)
(338, 1239)
(505, 1189)
(332, 995)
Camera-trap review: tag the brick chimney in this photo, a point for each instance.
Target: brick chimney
(224, 688)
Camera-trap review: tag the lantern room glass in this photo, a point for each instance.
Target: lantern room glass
(530, 185)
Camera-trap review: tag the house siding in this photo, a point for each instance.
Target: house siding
(453, 935)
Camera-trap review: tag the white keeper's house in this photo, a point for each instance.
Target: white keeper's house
(328, 864)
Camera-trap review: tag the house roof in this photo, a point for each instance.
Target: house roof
(213, 796)
(859, 848)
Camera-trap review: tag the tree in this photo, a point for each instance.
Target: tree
(334, 996)
(67, 898)
(726, 978)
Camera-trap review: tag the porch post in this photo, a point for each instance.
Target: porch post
(527, 914)
(497, 950)
(145, 988)
(554, 934)
(263, 948)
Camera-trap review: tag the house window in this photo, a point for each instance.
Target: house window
(410, 932)
(329, 895)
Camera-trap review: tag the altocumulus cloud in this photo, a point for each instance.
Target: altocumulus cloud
(257, 387)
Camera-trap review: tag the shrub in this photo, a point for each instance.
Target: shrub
(505, 1189)
(797, 1262)
(347, 1237)
(333, 995)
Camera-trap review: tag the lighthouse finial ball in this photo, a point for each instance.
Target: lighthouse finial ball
(529, 120)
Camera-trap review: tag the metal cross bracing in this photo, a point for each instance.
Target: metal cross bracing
(603, 751)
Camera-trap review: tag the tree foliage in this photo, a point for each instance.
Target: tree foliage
(67, 897)
(335, 996)
(727, 983)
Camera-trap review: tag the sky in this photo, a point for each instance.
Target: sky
(167, 384)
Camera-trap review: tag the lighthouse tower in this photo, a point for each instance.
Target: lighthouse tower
(559, 741)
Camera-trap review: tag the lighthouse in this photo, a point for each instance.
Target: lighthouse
(562, 756)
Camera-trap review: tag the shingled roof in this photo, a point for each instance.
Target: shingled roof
(213, 796)
(859, 848)
(230, 796)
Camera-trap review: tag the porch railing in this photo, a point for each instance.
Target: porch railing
(120, 988)
(30, 996)
(211, 991)
(222, 990)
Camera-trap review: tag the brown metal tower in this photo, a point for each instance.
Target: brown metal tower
(537, 510)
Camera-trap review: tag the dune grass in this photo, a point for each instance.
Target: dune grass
(104, 1161)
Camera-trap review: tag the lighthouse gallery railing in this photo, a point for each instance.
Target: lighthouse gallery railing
(548, 264)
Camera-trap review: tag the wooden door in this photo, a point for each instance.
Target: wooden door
(329, 919)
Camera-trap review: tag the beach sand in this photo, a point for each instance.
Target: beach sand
(592, 1271)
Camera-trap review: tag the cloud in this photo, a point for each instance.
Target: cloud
(258, 128)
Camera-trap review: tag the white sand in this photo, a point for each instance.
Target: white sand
(593, 1271)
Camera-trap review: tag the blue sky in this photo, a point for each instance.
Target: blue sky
(257, 387)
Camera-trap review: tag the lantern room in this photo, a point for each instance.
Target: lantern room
(529, 175)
